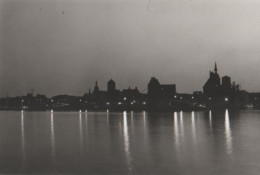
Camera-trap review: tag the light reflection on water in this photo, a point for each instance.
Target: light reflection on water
(22, 137)
(53, 151)
(228, 134)
(130, 143)
(210, 119)
(181, 124)
(176, 132)
(193, 127)
(80, 133)
(126, 141)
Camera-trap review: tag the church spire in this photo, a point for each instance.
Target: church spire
(216, 69)
(96, 88)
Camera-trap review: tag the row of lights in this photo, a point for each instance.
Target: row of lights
(226, 99)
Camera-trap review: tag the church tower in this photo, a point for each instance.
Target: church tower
(212, 86)
(111, 86)
(96, 88)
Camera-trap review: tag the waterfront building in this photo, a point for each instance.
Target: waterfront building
(157, 90)
(212, 86)
(161, 96)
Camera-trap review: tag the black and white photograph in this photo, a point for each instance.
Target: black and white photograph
(130, 87)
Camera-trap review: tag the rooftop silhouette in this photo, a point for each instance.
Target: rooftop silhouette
(218, 93)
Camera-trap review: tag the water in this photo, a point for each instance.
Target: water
(130, 143)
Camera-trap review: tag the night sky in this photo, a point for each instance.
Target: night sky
(64, 46)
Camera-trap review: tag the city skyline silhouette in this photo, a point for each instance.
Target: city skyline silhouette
(63, 47)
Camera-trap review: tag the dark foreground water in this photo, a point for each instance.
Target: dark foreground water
(130, 143)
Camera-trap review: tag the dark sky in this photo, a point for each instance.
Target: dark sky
(64, 46)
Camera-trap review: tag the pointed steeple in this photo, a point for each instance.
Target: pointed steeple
(215, 69)
(96, 88)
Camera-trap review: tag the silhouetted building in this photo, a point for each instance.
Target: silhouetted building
(96, 88)
(160, 96)
(168, 90)
(130, 94)
(65, 102)
(212, 86)
(111, 86)
(99, 97)
(113, 95)
(226, 84)
(225, 95)
(156, 90)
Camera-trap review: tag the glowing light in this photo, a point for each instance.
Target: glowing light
(226, 99)
(193, 126)
(210, 119)
(119, 103)
(52, 137)
(228, 134)
(144, 103)
(108, 103)
(175, 96)
(181, 122)
(23, 136)
(176, 130)
(144, 120)
(209, 98)
(80, 133)
(124, 98)
(126, 140)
